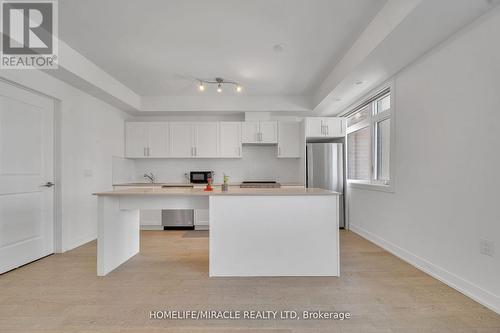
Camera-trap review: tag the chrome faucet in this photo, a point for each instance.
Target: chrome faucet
(150, 177)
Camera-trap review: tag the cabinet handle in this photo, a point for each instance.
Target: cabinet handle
(145, 152)
(279, 151)
(149, 154)
(327, 130)
(195, 151)
(260, 136)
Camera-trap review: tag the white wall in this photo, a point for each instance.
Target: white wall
(447, 165)
(257, 163)
(90, 132)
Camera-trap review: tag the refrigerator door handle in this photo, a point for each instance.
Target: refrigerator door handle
(309, 166)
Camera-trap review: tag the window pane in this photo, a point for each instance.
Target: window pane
(359, 116)
(359, 154)
(384, 104)
(383, 149)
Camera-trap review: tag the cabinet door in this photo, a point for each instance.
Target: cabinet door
(181, 140)
(150, 217)
(250, 132)
(268, 132)
(289, 139)
(136, 139)
(314, 127)
(206, 139)
(335, 127)
(230, 139)
(158, 140)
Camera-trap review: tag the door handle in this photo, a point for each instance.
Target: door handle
(48, 184)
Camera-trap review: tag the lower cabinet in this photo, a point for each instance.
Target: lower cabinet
(150, 219)
(201, 219)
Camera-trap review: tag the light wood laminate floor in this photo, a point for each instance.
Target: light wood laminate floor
(61, 293)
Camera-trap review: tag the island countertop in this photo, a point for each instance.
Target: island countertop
(156, 190)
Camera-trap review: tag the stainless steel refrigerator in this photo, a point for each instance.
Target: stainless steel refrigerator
(325, 169)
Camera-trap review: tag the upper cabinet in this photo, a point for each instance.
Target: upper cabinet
(206, 139)
(146, 139)
(194, 139)
(325, 127)
(289, 139)
(230, 139)
(182, 140)
(210, 139)
(259, 132)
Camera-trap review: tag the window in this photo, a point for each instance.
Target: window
(369, 141)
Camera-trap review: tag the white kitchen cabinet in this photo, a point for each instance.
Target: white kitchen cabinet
(201, 219)
(314, 127)
(289, 139)
(150, 219)
(250, 132)
(206, 139)
(194, 139)
(335, 127)
(181, 139)
(146, 139)
(325, 127)
(158, 140)
(230, 139)
(259, 132)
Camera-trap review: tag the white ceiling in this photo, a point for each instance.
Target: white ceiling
(158, 47)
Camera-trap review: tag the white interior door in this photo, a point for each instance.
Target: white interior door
(26, 165)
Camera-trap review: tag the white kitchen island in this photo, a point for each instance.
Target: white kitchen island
(253, 232)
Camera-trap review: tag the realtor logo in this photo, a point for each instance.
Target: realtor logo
(29, 34)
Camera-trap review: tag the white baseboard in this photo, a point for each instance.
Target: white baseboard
(79, 242)
(467, 288)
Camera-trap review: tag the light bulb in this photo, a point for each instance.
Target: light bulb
(202, 87)
(238, 88)
(219, 88)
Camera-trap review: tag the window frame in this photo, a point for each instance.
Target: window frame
(371, 122)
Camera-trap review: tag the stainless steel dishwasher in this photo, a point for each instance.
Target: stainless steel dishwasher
(177, 219)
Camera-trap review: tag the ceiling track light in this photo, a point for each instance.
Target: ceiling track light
(219, 82)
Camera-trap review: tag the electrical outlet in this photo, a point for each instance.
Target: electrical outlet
(487, 247)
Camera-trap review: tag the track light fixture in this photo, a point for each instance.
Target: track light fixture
(219, 82)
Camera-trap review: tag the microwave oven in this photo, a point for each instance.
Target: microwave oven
(200, 177)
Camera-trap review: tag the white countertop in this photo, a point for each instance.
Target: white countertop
(188, 191)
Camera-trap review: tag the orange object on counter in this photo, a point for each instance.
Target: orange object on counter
(209, 187)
